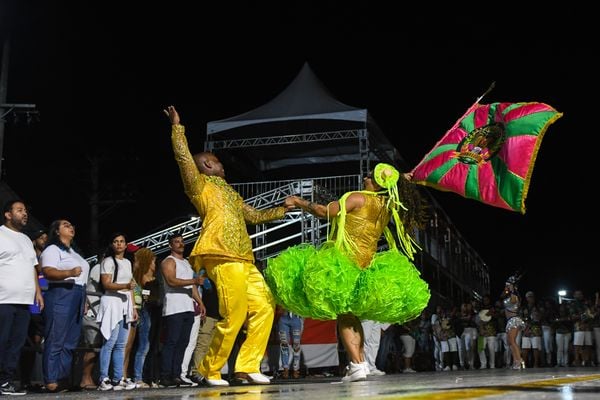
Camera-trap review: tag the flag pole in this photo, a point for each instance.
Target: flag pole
(492, 86)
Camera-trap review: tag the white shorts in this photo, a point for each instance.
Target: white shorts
(582, 338)
(531, 342)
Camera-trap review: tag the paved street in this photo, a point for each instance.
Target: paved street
(544, 383)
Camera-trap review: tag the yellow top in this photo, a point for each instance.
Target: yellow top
(224, 214)
(364, 226)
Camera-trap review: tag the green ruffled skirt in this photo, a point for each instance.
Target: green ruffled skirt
(324, 283)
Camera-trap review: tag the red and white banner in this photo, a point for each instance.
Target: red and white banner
(319, 343)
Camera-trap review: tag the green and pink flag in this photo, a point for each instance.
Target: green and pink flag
(489, 153)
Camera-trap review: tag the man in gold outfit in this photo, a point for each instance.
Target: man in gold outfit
(224, 249)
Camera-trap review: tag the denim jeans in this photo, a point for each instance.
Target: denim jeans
(290, 332)
(114, 347)
(63, 313)
(143, 344)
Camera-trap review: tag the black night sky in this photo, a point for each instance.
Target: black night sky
(101, 74)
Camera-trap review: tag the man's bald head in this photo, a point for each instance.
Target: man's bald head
(209, 164)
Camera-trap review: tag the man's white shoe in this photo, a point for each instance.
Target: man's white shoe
(258, 378)
(408, 370)
(217, 382)
(376, 372)
(354, 373)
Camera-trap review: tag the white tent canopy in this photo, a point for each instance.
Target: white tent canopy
(304, 107)
(304, 98)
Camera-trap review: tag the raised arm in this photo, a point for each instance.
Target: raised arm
(193, 181)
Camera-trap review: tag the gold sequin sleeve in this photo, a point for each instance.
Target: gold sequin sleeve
(193, 181)
(252, 216)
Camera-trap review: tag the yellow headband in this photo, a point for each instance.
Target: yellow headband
(385, 175)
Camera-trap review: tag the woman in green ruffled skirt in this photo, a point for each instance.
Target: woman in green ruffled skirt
(346, 279)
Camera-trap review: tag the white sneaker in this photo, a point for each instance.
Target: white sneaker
(130, 384)
(217, 382)
(259, 379)
(124, 385)
(455, 368)
(408, 370)
(187, 381)
(142, 385)
(447, 368)
(366, 367)
(354, 373)
(376, 372)
(105, 385)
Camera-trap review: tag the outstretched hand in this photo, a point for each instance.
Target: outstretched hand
(171, 112)
(290, 203)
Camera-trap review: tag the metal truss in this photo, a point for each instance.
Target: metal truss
(277, 195)
(288, 139)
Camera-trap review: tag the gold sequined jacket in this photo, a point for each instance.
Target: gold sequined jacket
(224, 214)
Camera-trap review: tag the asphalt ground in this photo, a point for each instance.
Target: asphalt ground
(530, 384)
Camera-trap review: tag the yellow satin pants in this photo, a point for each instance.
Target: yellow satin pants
(243, 294)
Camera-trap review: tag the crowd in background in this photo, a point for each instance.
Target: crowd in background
(134, 325)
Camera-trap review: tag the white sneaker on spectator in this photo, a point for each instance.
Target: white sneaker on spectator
(142, 385)
(408, 370)
(130, 384)
(483, 367)
(447, 368)
(354, 373)
(187, 381)
(376, 372)
(105, 385)
(455, 368)
(124, 385)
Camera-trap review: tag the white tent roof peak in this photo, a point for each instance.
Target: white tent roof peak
(304, 98)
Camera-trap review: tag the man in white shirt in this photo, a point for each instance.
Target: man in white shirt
(180, 291)
(18, 289)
